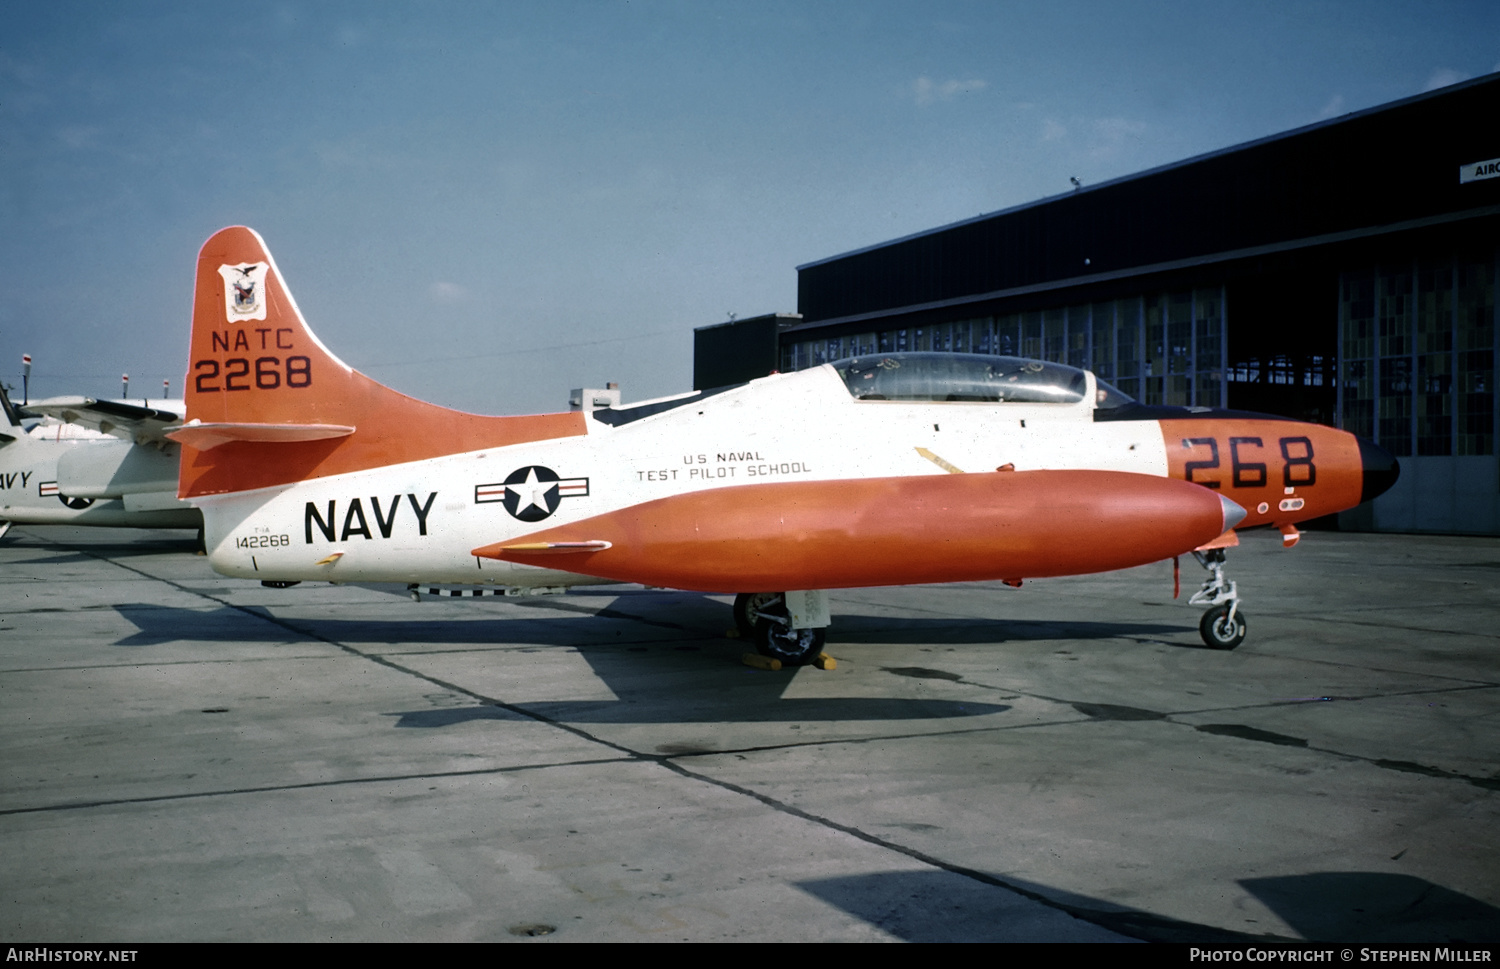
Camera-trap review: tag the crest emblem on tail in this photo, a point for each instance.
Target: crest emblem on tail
(244, 291)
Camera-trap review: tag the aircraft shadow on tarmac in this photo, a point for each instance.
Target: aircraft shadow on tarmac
(676, 679)
(1369, 907)
(162, 624)
(691, 607)
(165, 624)
(969, 632)
(1373, 906)
(765, 705)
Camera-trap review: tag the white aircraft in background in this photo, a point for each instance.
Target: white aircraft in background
(846, 475)
(120, 471)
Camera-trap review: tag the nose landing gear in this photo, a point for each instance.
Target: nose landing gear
(1223, 626)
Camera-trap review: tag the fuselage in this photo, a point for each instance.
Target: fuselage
(80, 481)
(422, 521)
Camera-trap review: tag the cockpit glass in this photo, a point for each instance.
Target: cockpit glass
(961, 377)
(1109, 397)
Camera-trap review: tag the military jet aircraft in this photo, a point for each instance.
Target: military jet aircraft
(882, 470)
(122, 475)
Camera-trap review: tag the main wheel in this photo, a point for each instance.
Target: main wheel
(1218, 631)
(746, 605)
(794, 647)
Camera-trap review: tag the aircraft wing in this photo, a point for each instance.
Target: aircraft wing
(137, 423)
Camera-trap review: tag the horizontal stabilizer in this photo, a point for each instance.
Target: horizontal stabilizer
(137, 423)
(204, 437)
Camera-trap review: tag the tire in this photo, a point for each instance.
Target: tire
(1218, 632)
(746, 604)
(794, 647)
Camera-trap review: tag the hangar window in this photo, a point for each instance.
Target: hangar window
(1162, 348)
(961, 377)
(1417, 348)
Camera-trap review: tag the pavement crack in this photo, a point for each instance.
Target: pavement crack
(307, 785)
(1140, 925)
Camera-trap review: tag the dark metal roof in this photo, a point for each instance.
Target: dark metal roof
(1382, 169)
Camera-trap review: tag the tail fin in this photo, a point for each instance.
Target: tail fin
(268, 404)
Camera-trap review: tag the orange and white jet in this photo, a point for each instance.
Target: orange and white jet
(891, 469)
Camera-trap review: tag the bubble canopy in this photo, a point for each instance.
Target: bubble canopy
(969, 377)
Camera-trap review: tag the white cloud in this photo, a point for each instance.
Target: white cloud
(79, 137)
(926, 90)
(349, 35)
(1053, 130)
(1109, 135)
(1332, 109)
(443, 292)
(1444, 76)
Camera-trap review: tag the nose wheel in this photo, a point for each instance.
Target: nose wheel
(1222, 626)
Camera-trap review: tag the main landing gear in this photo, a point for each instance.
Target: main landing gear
(1223, 625)
(786, 626)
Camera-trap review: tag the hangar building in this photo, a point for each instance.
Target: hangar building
(1344, 272)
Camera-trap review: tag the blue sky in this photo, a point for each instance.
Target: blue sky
(485, 205)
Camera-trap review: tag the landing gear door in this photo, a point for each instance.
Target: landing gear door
(809, 609)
